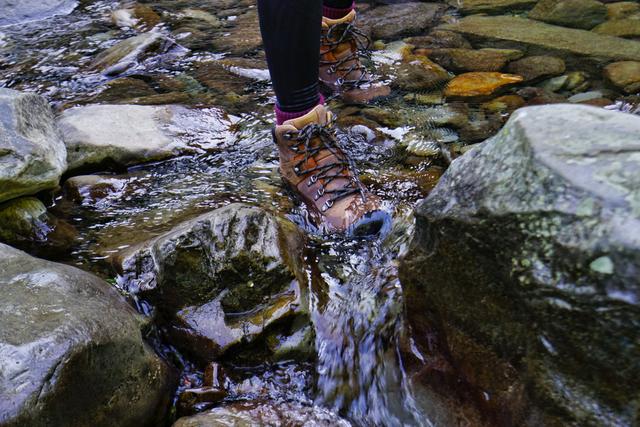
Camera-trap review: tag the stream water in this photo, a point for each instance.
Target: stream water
(356, 303)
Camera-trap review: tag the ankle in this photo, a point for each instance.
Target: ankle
(283, 116)
(335, 13)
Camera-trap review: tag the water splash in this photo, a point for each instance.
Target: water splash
(357, 313)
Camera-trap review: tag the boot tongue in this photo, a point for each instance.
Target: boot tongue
(318, 115)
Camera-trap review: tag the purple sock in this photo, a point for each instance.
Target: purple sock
(334, 13)
(283, 116)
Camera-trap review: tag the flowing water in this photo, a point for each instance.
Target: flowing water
(356, 298)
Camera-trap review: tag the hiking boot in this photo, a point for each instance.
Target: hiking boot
(315, 167)
(341, 70)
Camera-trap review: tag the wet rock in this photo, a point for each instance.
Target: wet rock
(622, 9)
(16, 12)
(139, 16)
(71, 350)
(420, 73)
(538, 38)
(244, 38)
(394, 21)
(91, 190)
(132, 51)
(568, 81)
(470, 85)
(624, 74)
(537, 67)
(439, 39)
(504, 104)
(103, 135)
(32, 155)
(432, 98)
(540, 96)
(122, 89)
(584, 14)
(473, 60)
(212, 21)
(218, 77)
(26, 224)
(493, 7)
(519, 251)
(620, 28)
(223, 279)
(259, 413)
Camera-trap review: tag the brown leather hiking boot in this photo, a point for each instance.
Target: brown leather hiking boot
(341, 70)
(313, 164)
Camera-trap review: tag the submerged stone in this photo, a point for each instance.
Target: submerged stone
(32, 155)
(625, 75)
(393, 21)
(469, 85)
(20, 11)
(524, 268)
(258, 413)
(537, 67)
(26, 224)
(225, 278)
(538, 38)
(131, 51)
(620, 28)
(584, 14)
(420, 73)
(469, 7)
(473, 60)
(71, 350)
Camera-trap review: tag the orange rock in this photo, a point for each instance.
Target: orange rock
(479, 84)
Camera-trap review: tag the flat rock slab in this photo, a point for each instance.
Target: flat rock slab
(20, 11)
(121, 135)
(540, 38)
(469, 7)
(71, 350)
(32, 155)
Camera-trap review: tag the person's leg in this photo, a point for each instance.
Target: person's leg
(291, 36)
(336, 9)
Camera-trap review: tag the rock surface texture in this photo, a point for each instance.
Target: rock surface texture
(538, 38)
(71, 350)
(121, 135)
(223, 279)
(525, 264)
(19, 11)
(32, 155)
(254, 414)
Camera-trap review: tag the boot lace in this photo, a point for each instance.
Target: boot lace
(310, 141)
(347, 33)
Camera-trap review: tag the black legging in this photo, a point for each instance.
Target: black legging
(291, 35)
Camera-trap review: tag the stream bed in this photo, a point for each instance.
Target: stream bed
(206, 56)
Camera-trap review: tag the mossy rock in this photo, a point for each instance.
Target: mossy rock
(526, 261)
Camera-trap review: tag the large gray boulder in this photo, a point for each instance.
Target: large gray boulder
(225, 279)
(19, 11)
(525, 265)
(121, 135)
(32, 155)
(71, 350)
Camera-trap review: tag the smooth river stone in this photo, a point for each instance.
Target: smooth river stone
(624, 74)
(479, 84)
